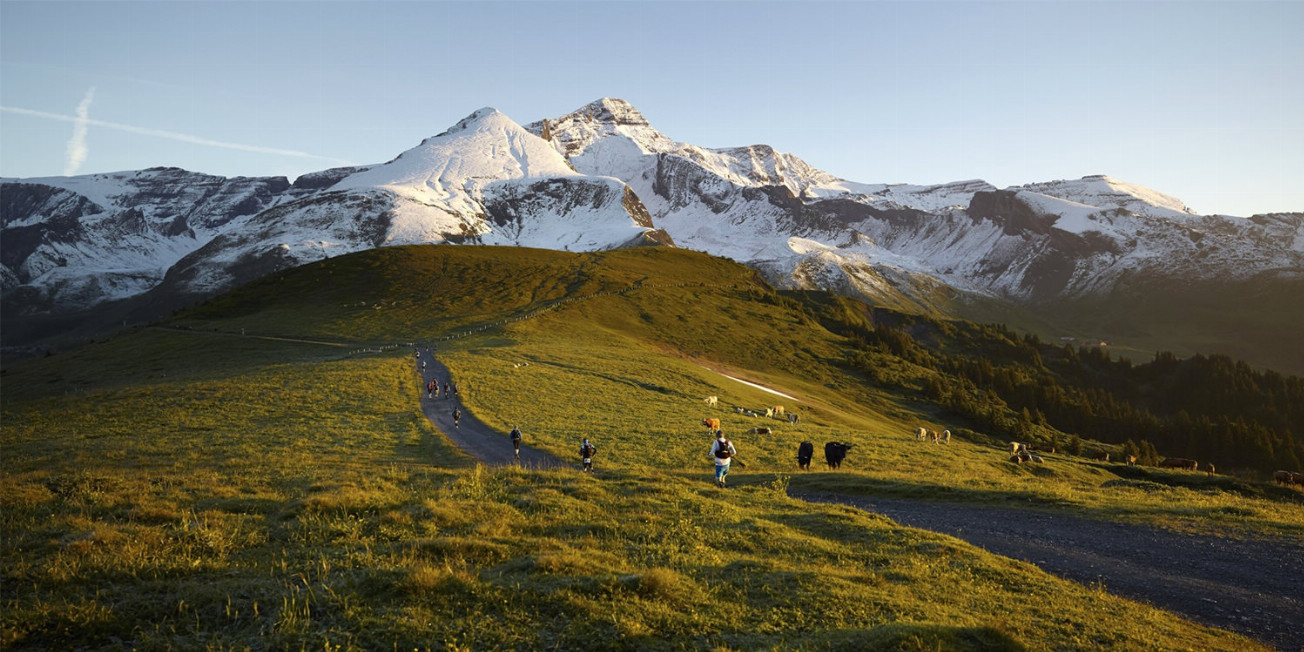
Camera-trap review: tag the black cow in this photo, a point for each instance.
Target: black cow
(835, 452)
(804, 452)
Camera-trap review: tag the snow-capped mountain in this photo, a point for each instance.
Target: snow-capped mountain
(72, 242)
(1039, 241)
(603, 177)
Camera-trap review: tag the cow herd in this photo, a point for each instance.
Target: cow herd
(834, 453)
(1020, 452)
(924, 434)
(770, 411)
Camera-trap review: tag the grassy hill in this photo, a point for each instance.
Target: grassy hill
(256, 472)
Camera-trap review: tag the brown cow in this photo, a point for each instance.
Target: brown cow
(1179, 463)
(1212, 470)
(1102, 456)
(759, 431)
(712, 424)
(1287, 478)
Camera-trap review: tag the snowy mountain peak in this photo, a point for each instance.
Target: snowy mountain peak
(615, 111)
(488, 115)
(574, 133)
(452, 167)
(1105, 192)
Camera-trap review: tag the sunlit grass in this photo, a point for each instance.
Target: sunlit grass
(195, 490)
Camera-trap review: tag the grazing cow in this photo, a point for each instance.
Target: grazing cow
(759, 431)
(711, 424)
(1297, 478)
(1212, 470)
(769, 413)
(792, 418)
(1282, 477)
(1102, 456)
(946, 436)
(1024, 455)
(738, 409)
(805, 451)
(835, 452)
(1131, 460)
(1179, 463)
(778, 411)
(711, 401)
(921, 434)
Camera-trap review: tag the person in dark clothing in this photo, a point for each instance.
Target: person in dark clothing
(516, 441)
(587, 451)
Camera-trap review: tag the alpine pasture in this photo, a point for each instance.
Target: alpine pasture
(256, 473)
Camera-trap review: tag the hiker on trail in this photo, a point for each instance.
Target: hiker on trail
(516, 441)
(587, 451)
(722, 451)
(457, 416)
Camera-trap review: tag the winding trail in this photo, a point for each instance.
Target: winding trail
(1254, 587)
(487, 445)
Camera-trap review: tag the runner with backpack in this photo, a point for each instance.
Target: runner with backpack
(722, 451)
(587, 451)
(457, 416)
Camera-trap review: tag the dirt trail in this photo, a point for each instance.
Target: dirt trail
(1248, 586)
(491, 447)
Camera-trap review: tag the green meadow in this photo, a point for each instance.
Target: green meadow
(256, 473)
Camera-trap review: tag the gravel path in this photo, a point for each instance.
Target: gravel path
(491, 447)
(1254, 587)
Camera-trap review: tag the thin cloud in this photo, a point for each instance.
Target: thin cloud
(171, 135)
(77, 150)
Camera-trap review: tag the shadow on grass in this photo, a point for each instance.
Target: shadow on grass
(913, 636)
(836, 483)
(1141, 477)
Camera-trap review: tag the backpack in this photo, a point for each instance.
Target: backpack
(722, 449)
(588, 450)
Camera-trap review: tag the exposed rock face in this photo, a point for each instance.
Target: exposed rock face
(1030, 243)
(71, 243)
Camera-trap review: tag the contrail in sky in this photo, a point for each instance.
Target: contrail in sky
(77, 144)
(171, 135)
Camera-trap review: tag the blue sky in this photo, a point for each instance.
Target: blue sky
(1201, 100)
